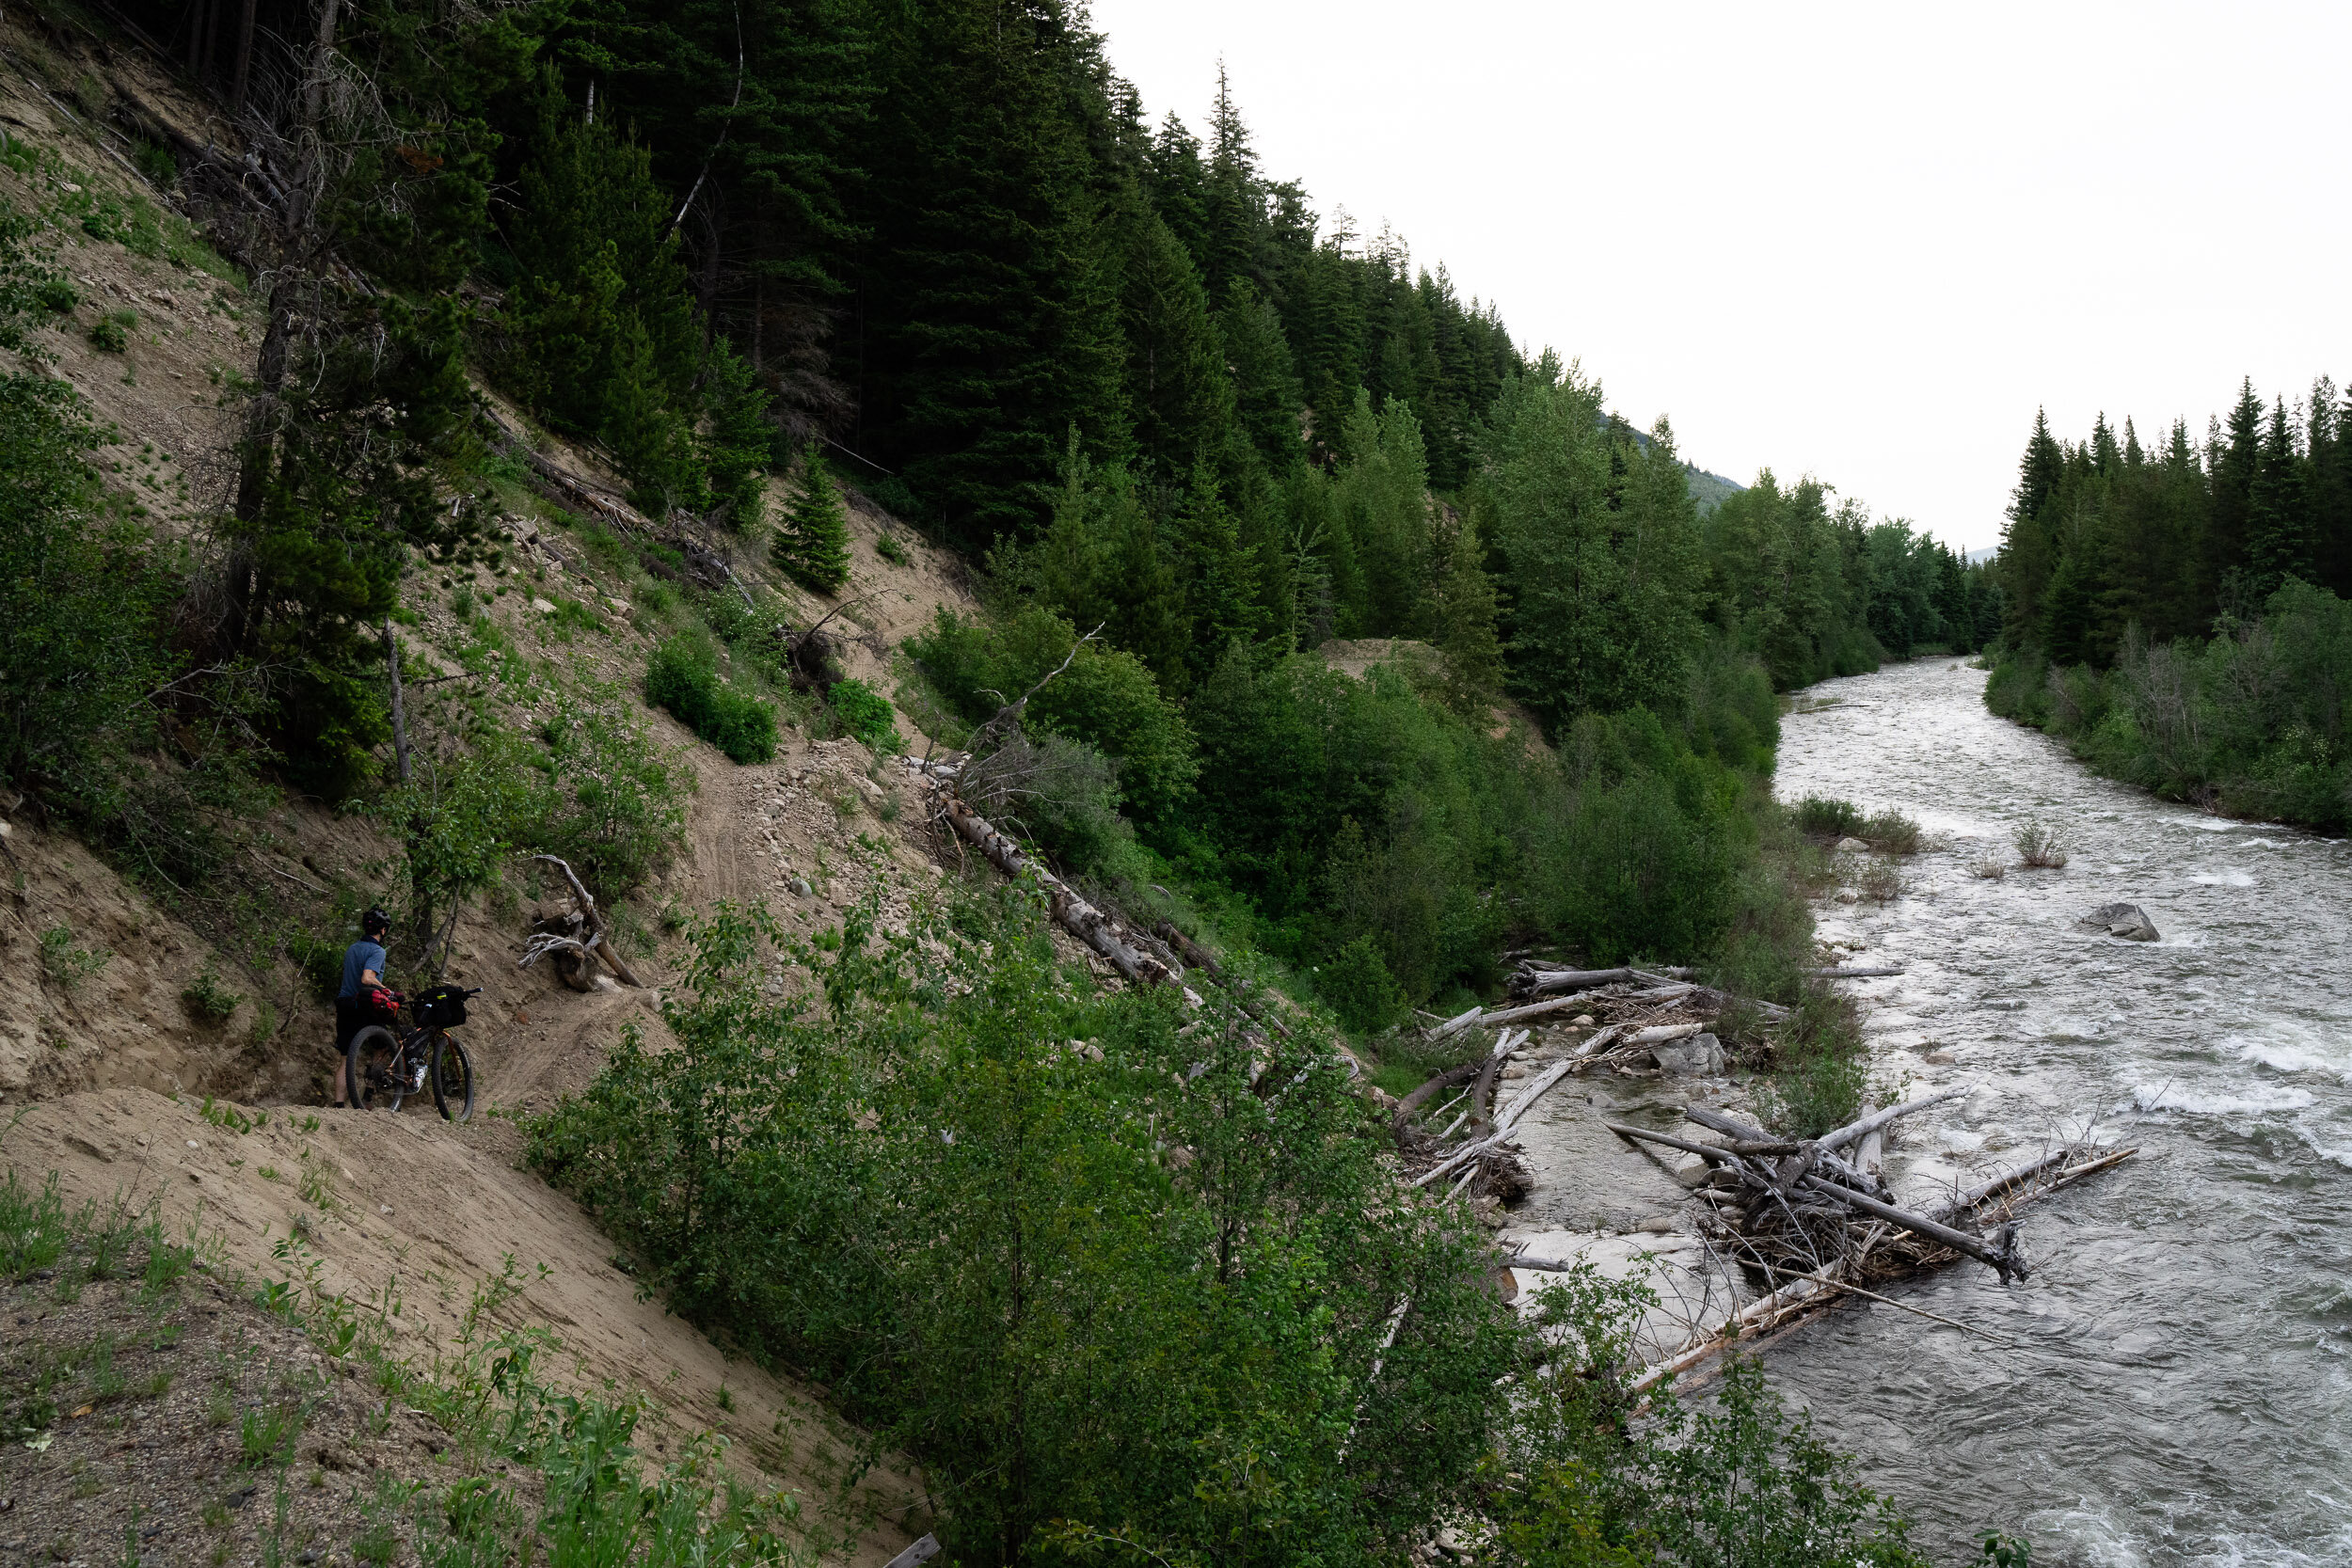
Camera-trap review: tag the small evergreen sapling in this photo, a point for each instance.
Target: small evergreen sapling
(812, 542)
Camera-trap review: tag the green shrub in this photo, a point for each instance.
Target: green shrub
(865, 713)
(66, 962)
(682, 676)
(207, 1000)
(1890, 832)
(811, 544)
(1827, 818)
(321, 962)
(1357, 982)
(111, 332)
(1157, 1304)
(1106, 698)
(55, 295)
(2039, 847)
(613, 804)
(888, 548)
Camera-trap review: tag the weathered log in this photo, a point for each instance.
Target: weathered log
(597, 943)
(1194, 954)
(1858, 972)
(1542, 981)
(1878, 1119)
(1081, 919)
(1420, 1097)
(2057, 1159)
(1478, 1018)
(1504, 1046)
(1519, 1107)
(2002, 1259)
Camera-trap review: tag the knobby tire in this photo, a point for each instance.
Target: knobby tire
(451, 1077)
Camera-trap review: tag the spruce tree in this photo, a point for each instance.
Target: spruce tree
(812, 542)
(2278, 543)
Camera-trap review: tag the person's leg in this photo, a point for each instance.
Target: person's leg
(346, 1025)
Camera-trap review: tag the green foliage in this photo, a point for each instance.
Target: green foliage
(1106, 699)
(1067, 1320)
(207, 1000)
(811, 544)
(683, 677)
(111, 332)
(66, 962)
(865, 713)
(1599, 540)
(613, 802)
(1822, 1067)
(2252, 722)
(1580, 1482)
(1827, 818)
(83, 592)
(888, 548)
(601, 317)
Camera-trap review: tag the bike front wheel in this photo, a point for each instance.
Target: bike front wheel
(369, 1082)
(452, 1079)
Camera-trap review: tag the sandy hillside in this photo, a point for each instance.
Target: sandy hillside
(102, 1055)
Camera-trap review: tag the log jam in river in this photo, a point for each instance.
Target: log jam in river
(2174, 1383)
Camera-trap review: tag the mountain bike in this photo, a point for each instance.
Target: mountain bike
(388, 1063)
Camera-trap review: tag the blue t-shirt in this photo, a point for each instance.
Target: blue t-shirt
(362, 954)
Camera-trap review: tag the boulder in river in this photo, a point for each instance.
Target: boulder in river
(1853, 847)
(2128, 921)
(1692, 1053)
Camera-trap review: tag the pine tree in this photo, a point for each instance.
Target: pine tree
(2278, 539)
(812, 542)
(1265, 387)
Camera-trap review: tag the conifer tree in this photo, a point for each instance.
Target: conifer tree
(812, 542)
(2278, 543)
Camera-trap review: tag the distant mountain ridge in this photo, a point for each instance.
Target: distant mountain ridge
(1711, 490)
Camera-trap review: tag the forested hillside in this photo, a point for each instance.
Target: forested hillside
(1136, 380)
(2177, 612)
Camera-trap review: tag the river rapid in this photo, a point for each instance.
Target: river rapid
(2174, 1385)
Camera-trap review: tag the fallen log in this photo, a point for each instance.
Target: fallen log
(1194, 954)
(1479, 1018)
(1423, 1096)
(2003, 1259)
(1878, 1119)
(1480, 1095)
(1073, 913)
(1859, 972)
(1748, 1132)
(1520, 1106)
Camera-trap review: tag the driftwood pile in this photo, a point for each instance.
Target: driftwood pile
(1812, 1220)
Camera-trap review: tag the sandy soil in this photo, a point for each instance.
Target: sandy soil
(408, 1210)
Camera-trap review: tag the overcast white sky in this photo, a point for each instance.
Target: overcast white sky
(1862, 241)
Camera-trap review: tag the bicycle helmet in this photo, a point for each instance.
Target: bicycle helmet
(374, 923)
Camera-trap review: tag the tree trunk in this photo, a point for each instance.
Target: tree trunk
(244, 54)
(400, 712)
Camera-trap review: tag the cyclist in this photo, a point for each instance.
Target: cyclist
(364, 998)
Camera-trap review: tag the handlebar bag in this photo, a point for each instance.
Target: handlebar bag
(439, 1006)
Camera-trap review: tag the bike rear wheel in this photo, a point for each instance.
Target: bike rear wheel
(368, 1084)
(452, 1079)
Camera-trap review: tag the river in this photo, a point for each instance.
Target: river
(2176, 1381)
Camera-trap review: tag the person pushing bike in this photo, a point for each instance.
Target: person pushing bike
(383, 1060)
(364, 998)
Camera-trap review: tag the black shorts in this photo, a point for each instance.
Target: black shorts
(352, 1014)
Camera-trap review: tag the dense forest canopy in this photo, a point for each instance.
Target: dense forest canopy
(2176, 610)
(945, 254)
